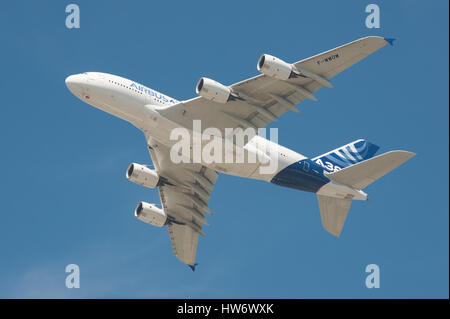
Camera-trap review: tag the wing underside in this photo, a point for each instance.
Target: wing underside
(267, 98)
(184, 193)
(184, 243)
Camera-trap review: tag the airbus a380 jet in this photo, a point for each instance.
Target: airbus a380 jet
(336, 177)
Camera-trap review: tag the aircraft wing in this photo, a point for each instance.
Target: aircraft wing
(184, 192)
(266, 98)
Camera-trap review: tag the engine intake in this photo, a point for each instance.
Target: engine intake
(142, 175)
(213, 91)
(150, 214)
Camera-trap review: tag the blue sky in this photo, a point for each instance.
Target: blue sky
(65, 198)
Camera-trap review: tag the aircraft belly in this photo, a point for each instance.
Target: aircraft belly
(235, 169)
(303, 175)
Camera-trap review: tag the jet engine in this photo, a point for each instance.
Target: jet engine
(275, 67)
(142, 175)
(214, 91)
(150, 214)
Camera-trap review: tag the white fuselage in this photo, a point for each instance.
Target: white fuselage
(138, 105)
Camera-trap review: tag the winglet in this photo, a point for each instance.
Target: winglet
(390, 40)
(193, 266)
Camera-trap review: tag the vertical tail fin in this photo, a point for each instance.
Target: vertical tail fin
(346, 155)
(333, 212)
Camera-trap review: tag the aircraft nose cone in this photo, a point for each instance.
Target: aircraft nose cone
(75, 83)
(73, 80)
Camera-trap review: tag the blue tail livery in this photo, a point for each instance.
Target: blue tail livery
(346, 155)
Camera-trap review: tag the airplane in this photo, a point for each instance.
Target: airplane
(337, 177)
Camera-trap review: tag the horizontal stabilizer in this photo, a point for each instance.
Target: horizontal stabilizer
(362, 174)
(333, 212)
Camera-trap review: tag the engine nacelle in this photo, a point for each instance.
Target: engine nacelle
(214, 91)
(142, 175)
(150, 214)
(275, 67)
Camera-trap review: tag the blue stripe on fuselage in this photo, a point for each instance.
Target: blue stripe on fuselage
(304, 175)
